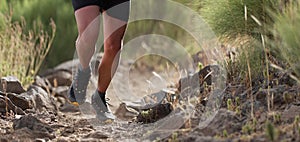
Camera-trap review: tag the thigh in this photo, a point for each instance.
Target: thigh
(87, 16)
(118, 9)
(86, 13)
(114, 28)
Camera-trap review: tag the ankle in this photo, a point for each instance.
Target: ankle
(101, 94)
(84, 68)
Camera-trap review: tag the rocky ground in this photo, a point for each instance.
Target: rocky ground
(194, 110)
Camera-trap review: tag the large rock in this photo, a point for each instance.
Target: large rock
(32, 128)
(59, 92)
(72, 64)
(35, 98)
(32, 123)
(39, 98)
(11, 84)
(154, 114)
(20, 101)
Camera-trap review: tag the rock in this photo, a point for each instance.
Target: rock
(40, 140)
(290, 113)
(208, 139)
(67, 107)
(68, 131)
(32, 123)
(257, 107)
(42, 82)
(97, 135)
(11, 84)
(61, 91)
(204, 75)
(224, 120)
(68, 65)
(72, 64)
(155, 113)
(4, 140)
(39, 98)
(208, 75)
(125, 113)
(60, 94)
(59, 77)
(200, 57)
(63, 139)
(7, 105)
(148, 101)
(26, 134)
(19, 101)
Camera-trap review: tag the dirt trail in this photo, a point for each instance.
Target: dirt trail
(49, 117)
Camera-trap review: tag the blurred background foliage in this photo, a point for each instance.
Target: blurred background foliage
(41, 12)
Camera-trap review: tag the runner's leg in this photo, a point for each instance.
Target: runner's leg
(88, 23)
(114, 30)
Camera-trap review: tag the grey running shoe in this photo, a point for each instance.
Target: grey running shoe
(77, 92)
(103, 113)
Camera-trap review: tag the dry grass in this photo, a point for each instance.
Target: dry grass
(22, 53)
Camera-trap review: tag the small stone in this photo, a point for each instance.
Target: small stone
(40, 140)
(125, 113)
(97, 135)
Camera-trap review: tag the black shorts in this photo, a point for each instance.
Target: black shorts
(116, 8)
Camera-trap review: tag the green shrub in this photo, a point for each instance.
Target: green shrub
(228, 17)
(286, 30)
(271, 131)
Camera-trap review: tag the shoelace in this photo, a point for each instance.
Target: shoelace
(105, 102)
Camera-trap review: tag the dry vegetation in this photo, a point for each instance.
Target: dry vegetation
(22, 53)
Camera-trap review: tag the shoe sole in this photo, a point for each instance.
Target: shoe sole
(75, 104)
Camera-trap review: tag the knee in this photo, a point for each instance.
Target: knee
(112, 46)
(86, 41)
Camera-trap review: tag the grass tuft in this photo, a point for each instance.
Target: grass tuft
(22, 53)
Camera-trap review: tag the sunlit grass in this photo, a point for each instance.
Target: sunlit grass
(22, 53)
